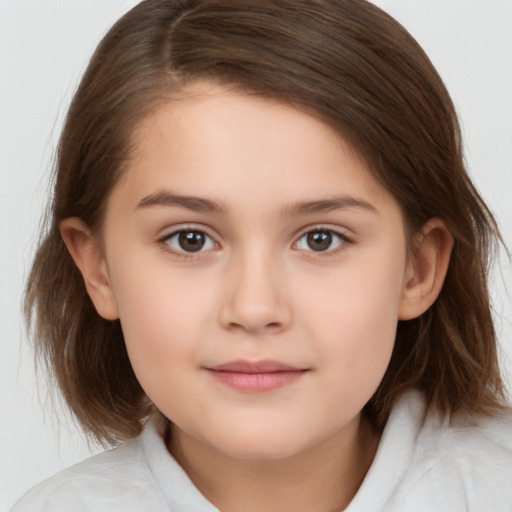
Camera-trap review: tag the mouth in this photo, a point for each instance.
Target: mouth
(256, 376)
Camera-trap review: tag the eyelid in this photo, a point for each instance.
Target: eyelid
(175, 230)
(341, 233)
(339, 230)
(172, 230)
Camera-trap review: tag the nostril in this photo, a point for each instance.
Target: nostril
(255, 305)
(256, 327)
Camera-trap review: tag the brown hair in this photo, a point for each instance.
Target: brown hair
(344, 61)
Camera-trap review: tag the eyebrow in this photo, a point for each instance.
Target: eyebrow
(169, 199)
(328, 205)
(203, 205)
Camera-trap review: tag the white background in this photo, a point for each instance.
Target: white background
(44, 45)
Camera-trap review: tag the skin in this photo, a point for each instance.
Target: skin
(258, 291)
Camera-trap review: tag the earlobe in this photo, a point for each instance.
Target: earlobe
(426, 269)
(87, 253)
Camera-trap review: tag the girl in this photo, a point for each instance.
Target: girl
(264, 276)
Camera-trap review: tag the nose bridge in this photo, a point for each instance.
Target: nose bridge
(255, 299)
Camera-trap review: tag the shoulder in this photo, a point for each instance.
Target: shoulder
(139, 475)
(467, 461)
(118, 479)
(475, 447)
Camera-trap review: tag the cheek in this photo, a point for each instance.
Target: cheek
(357, 315)
(164, 317)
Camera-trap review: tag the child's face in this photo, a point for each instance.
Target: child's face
(295, 257)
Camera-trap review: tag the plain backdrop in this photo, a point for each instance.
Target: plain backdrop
(44, 46)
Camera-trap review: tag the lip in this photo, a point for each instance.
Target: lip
(255, 376)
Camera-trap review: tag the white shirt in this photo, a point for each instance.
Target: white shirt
(423, 464)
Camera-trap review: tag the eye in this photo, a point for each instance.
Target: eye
(190, 240)
(320, 240)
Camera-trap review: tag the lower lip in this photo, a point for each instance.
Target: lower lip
(257, 382)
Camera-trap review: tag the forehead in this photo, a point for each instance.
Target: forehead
(213, 141)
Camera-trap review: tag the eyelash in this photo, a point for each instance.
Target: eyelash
(182, 254)
(344, 240)
(190, 255)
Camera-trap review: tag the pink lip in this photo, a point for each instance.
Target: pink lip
(255, 377)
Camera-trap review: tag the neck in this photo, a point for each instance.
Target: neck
(322, 478)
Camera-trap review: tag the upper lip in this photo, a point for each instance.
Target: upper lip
(263, 366)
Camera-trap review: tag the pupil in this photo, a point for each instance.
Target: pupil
(191, 241)
(319, 240)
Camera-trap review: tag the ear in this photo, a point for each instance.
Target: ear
(88, 255)
(426, 269)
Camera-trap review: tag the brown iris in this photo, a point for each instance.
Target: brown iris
(191, 241)
(319, 240)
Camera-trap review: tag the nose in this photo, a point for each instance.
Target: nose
(255, 299)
